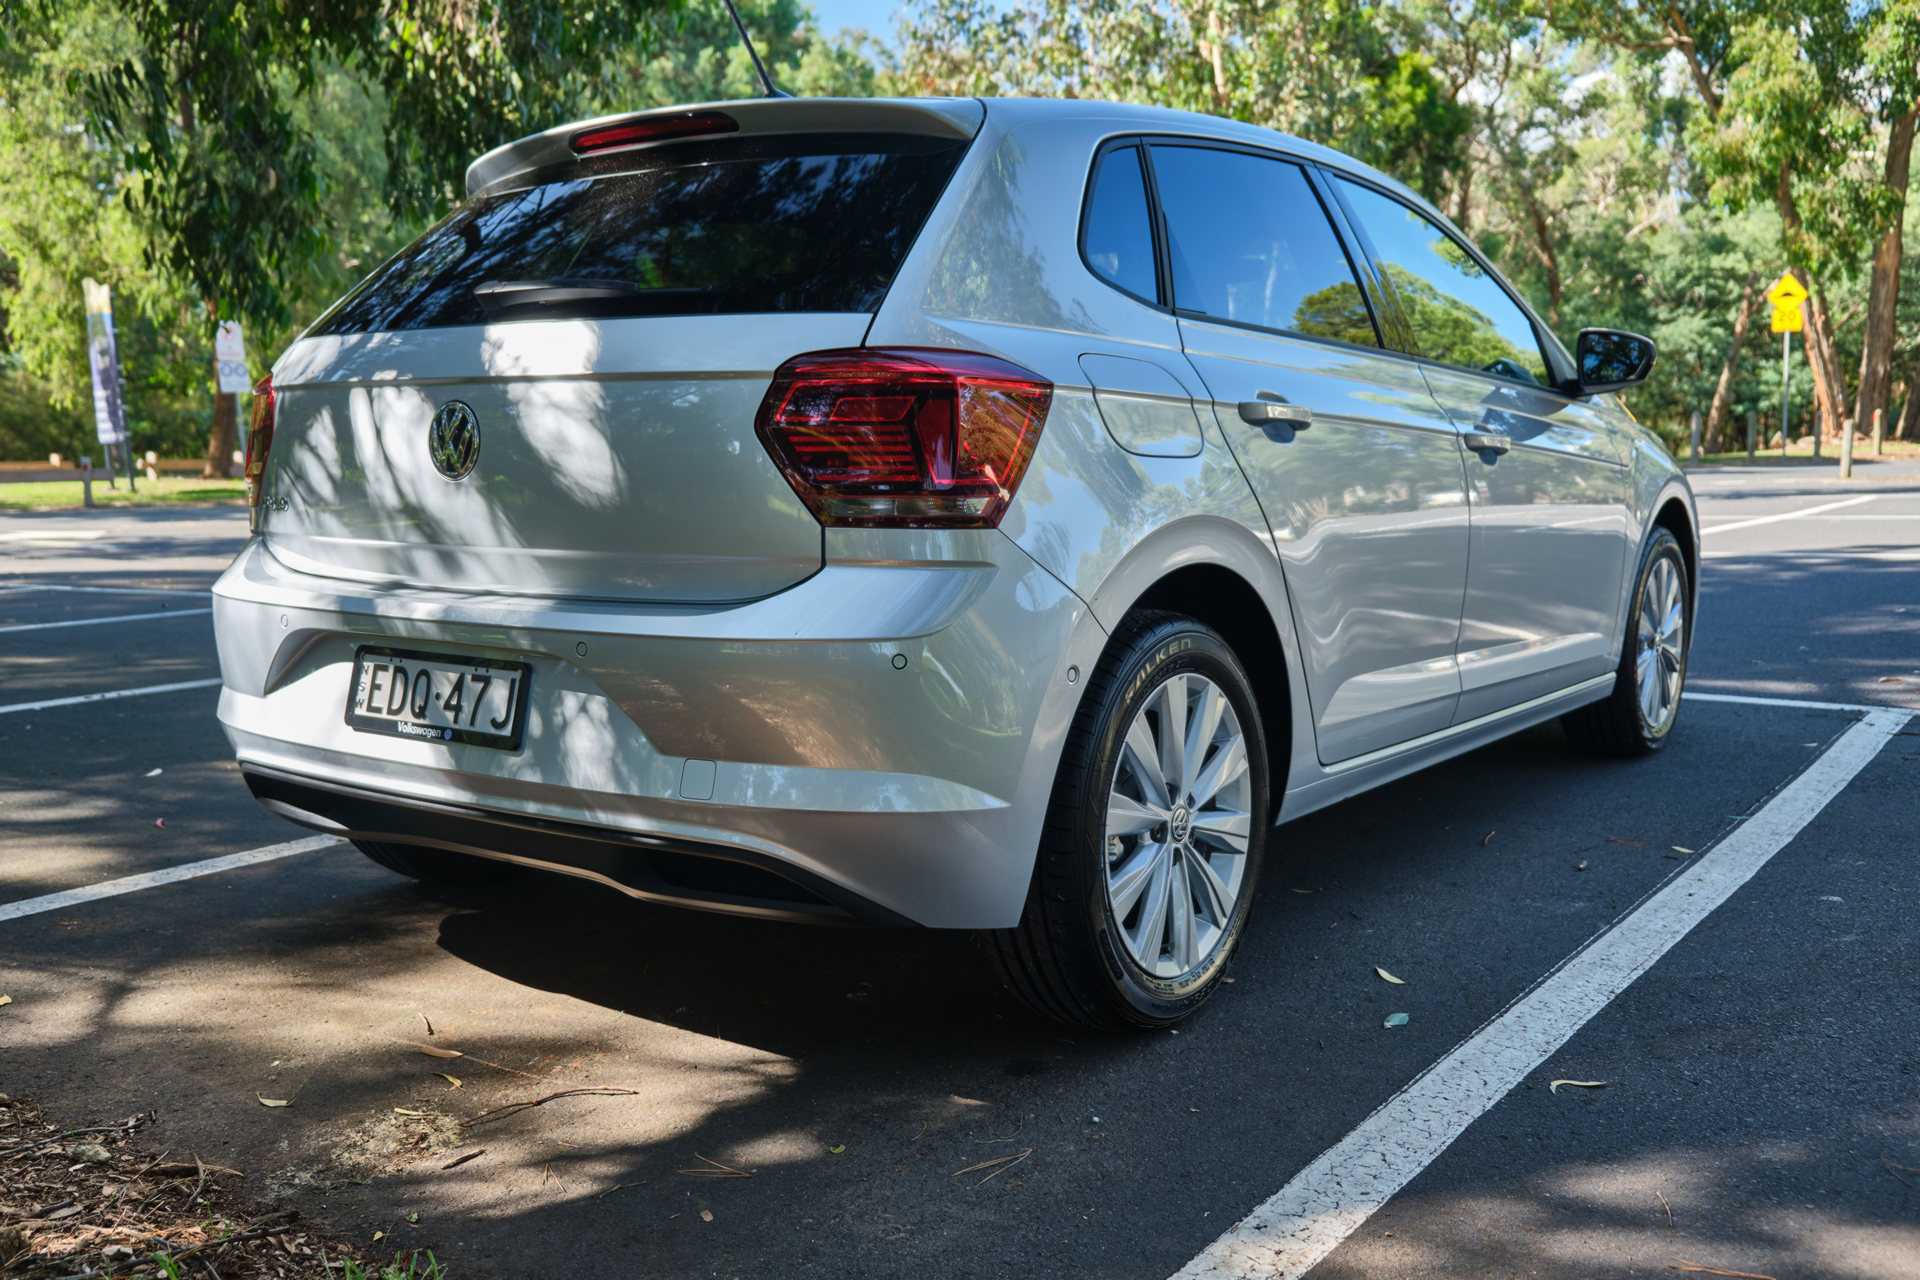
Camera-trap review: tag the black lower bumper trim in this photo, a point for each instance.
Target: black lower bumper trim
(710, 877)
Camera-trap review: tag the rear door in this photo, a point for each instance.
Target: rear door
(1358, 471)
(606, 331)
(1552, 529)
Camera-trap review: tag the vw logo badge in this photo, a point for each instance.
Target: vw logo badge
(453, 441)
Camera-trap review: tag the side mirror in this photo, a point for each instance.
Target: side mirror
(1611, 360)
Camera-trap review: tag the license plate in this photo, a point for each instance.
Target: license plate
(438, 697)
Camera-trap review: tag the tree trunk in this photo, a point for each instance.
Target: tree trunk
(1549, 257)
(1883, 293)
(1829, 392)
(1829, 387)
(1723, 391)
(220, 441)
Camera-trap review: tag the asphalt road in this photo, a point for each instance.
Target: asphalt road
(1761, 1075)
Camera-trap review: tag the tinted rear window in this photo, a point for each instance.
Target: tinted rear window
(767, 224)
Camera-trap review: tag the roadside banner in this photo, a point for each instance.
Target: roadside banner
(230, 355)
(109, 412)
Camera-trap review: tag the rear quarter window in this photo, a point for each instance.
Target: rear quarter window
(756, 224)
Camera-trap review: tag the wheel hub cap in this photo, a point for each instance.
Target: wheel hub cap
(1178, 822)
(1660, 662)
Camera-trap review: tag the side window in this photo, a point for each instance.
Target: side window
(1251, 244)
(1119, 236)
(1459, 313)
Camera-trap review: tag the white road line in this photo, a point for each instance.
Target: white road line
(185, 871)
(107, 591)
(110, 694)
(92, 622)
(1329, 1199)
(1789, 515)
(1839, 553)
(1753, 700)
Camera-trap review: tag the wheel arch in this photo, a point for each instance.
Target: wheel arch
(1218, 573)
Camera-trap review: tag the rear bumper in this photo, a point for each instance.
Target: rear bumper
(883, 736)
(711, 877)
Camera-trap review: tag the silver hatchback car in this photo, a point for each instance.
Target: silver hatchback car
(989, 515)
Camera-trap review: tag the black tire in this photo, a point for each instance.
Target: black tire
(437, 866)
(1066, 959)
(1617, 726)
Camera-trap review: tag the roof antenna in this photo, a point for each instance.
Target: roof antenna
(758, 65)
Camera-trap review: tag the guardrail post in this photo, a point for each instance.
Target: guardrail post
(86, 481)
(1753, 429)
(1693, 438)
(1879, 431)
(1846, 450)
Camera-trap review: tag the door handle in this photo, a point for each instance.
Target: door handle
(1271, 408)
(1487, 442)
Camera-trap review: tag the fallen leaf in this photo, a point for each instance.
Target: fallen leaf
(1680, 849)
(837, 1150)
(153, 773)
(453, 1082)
(432, 1052)
(1582, 866)
(379, 1235)
(1486, 837)
(1578, 1084)
(424, 1018)
(274, 1102)
(9, 999)
(414, 1216)
(1891, 679)
(1631, 844)
(1301, 891)
(402, 1111)
(1396, 1020)
(161, 823)
(1398, 982)
(706, 1215)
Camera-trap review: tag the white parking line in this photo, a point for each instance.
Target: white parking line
(110, 694)
(94, 622)
(1789, 515)
(1329, 1199)
(1752, 700)
(106, 591)
(1838, 553)
(171, 875)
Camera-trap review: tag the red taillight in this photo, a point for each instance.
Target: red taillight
(637, 133)
(903, 438)
(259, 438)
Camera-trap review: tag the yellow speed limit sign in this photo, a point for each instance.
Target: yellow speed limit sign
(1787, 296)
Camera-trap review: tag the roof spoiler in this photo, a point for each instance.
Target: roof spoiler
(945, 117)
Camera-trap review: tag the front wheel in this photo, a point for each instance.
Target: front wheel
(1636, 717)
(1154, 838)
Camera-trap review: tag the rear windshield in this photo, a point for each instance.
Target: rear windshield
(763, 224)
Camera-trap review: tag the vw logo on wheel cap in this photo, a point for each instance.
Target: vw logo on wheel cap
(453, 441)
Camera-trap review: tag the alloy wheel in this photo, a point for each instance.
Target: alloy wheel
(1662, 626)
(1177, 826)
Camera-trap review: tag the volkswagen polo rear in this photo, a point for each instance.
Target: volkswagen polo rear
(590, 536)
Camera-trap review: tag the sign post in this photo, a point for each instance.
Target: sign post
(1787, 295)
(103, 355)
(230, 361)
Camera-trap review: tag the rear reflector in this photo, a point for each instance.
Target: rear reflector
(638, 133)
(259, 440)
(905, 437)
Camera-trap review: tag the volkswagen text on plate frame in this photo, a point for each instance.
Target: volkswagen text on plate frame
(996, 515)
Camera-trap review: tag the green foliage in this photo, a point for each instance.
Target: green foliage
(699, 58)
